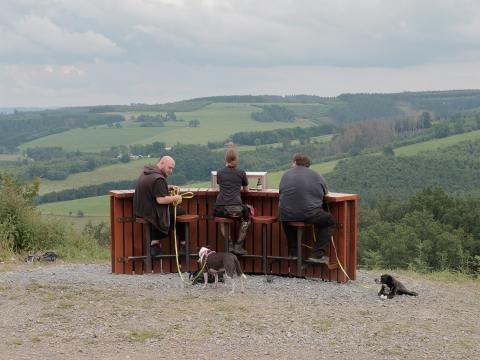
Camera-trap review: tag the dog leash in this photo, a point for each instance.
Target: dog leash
(334, 248)
(185, 195)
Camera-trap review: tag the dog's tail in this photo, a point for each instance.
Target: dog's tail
(238, 268)
(411, 293)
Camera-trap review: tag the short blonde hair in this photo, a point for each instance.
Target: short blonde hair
(231, 154)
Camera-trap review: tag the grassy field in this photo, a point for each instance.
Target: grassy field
(10, 157)
(99, 206)
(116, 172)
(431, 145)
(217, 121)
(123, 171)
(93, 206)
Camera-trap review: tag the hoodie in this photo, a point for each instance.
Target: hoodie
(150, 185)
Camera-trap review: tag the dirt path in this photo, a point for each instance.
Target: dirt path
(82, 311)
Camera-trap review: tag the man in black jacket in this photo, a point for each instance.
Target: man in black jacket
(152, 201)
(301, 199)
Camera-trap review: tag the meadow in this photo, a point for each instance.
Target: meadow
(99, 206)
(217, 121)
(432, 145)
(128, 171)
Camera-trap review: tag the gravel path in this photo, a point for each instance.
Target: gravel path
(82, 311)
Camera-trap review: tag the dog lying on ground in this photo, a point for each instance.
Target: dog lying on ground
(392, 287)
(220, 262)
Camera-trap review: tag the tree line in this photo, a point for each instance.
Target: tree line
(431, 230)
(21, 127)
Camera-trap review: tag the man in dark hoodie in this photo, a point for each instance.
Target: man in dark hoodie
(153, 202)
(301, 199)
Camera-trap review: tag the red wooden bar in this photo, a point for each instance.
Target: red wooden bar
(126, 236)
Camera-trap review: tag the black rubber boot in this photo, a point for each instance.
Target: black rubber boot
(238, 248)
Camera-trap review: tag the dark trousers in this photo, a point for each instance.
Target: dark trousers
(243, 211)
(157, 234)
(324, 228)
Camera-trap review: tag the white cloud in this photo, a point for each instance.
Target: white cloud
(120, 51)
(39, 36)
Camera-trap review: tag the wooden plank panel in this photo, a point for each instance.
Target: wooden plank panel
(273, 248)
(309, 243)
(325, 273)
(352, 265)
(128, 233)
(138, 266)
(112, 233)
(119, 239)
(341, 244)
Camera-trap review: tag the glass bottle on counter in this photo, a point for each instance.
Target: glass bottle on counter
(259, 184)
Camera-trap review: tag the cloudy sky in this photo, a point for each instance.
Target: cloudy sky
(86, 52)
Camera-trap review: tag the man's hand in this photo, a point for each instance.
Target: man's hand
(177, 199)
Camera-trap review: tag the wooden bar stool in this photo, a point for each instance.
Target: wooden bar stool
(187, 219)
(227, 221)
(300, 230)
(146, 242)
(264, 221)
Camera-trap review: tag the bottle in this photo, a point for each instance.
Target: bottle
(259, 184)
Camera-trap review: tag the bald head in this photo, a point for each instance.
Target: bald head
(166, 165)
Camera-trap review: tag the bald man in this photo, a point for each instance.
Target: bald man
(153, 202)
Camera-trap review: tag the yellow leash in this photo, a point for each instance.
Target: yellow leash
(334, 248)
(185, 195)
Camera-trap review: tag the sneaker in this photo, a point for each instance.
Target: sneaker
(320, 260)
(155, 250)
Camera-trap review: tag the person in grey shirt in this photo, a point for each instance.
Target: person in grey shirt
(232, 182)
(301, 199)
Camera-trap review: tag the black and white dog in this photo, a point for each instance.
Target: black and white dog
(217, 262)
(392, 287)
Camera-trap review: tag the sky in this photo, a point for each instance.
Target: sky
(90, 52)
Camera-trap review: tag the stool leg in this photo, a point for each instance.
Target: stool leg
(299, 251)
(146, 244)
(227, 237)
(264, 248)
(187, 246)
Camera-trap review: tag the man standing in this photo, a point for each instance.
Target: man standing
(152, 201)
(301, 199)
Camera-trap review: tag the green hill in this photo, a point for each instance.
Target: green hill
(217, 122)
(456, 169)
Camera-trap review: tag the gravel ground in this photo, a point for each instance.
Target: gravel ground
(83, 311)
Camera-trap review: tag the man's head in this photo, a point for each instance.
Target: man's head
(166, 165)
(301, 159)
(231, 156)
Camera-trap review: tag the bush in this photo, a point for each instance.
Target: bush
(23, 230)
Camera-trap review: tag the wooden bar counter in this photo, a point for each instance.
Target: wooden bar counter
(127, 245)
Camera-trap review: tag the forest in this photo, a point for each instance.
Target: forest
(417, 211)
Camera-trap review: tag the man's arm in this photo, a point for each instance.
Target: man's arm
(169, 199)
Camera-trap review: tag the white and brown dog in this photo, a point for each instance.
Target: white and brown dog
(217, 262)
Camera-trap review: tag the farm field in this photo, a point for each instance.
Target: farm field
(126, 171)
(431, 145)
(99, 205)
(217, 121)
(92, 206)
(115, 172)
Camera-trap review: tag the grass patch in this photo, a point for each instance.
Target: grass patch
(217, 121)
(322, 325)
(435, 144)
(142, 335)
(91, 207)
